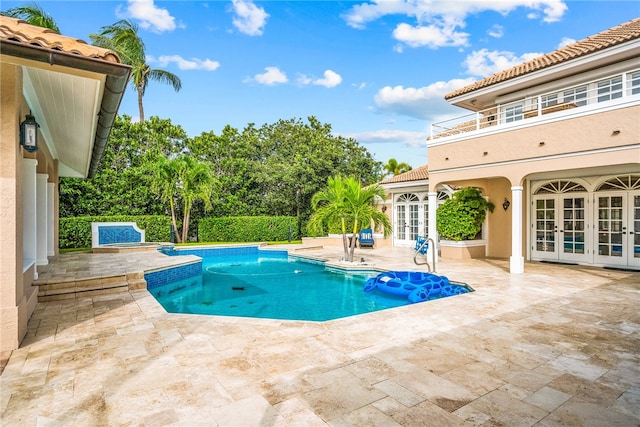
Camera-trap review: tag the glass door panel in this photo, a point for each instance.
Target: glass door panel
(414, 219)
(574, 228)
(634, 227)
(611, 229)
(545, 228)
(425, 224)
(400, 222)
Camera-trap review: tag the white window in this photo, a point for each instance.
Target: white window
(577, 95)
(549, 100)
(610, 89)
(635, 83)
(513, 113)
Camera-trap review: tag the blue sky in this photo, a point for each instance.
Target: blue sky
(375, 71)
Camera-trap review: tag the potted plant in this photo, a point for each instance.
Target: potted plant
(459, 223)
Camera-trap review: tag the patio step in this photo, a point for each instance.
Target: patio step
(89, 287)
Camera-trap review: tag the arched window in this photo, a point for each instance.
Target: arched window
(559, 187)
(407, 198)
(623, 182)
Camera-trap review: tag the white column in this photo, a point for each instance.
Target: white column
(51, 250)
(517, 260)
(432, 254)
(29, 212)
(41, 219)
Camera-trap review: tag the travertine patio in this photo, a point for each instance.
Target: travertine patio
(558, 345)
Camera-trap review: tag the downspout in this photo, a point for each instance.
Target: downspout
(117, 76)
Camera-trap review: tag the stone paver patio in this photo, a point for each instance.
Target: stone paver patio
(558, 345)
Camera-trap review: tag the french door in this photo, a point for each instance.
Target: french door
(409, 212)
(560, 230)
(618, 228)
(601, 227)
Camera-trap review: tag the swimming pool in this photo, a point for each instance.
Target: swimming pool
(249, 282)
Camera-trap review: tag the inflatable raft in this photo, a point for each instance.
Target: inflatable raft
(416, 286)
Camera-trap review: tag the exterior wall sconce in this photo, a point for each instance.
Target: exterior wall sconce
(506, 204)
(29, 133)
(384, 209)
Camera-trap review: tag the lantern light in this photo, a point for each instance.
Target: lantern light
(29, 133)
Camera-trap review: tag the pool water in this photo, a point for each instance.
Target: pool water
(271, 284)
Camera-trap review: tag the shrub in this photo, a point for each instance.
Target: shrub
(248, 229)
(461, 216)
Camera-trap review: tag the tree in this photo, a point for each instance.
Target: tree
(348, 203)
(183, 179)
(122, 185)
(34, 15)
(394, 168)
(122, 37)
(275, 169)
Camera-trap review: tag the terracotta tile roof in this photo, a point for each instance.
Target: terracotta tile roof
(614, 36)
(20, 31)
(420, 173)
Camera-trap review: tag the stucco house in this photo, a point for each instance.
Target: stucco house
(556, 140)
(69, 91)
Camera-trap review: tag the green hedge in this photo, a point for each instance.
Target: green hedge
(248, 229)
(75, 232)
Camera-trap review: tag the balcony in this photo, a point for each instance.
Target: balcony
(615, 91)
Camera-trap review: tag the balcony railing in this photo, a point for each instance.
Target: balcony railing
(611, 89)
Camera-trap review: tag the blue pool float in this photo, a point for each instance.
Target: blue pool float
(416, 286)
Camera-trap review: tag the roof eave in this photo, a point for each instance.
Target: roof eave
(117, 76)
(615, 54)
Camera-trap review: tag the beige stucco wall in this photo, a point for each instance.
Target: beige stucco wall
(17, 296)
(574, 136)
(574, 147)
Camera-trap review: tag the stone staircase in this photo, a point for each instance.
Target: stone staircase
(90, 287)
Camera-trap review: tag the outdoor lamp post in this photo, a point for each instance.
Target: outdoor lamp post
(29, 133)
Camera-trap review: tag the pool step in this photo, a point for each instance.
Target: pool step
(82, 288)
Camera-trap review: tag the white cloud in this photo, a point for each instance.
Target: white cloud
(185, 64)
(270, 77)
(303, 80)
(389, 136)
(149, 16)
(437, 23)
(250, 19)
(431, 36)
(485, 63)
(496, 31)
(553, 10)
(422, 103)
(566, 41)
(330, 79)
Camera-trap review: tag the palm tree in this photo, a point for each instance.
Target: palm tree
(183, 179)
(34, 15)
(394, 168)
(347, 202)
(122, 37)
(330, 208)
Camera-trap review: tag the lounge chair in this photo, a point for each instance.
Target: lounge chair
(366, 238)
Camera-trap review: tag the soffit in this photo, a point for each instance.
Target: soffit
(64, 83)
(66, 107)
